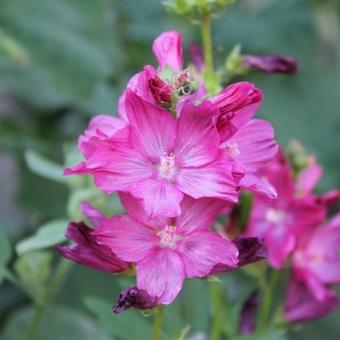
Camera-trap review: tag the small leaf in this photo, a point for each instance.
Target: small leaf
(46, 236)
(44, 167)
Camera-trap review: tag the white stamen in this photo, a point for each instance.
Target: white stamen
(168, 236)
(167, 167)
(275, 215)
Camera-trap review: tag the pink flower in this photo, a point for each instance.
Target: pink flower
(271, 63)
(162, 159)
(316, 260)
(281, 221)
(196, 56)
(301, 305)
(249, 142)
(168, 50)
(167, 250)
(86, 250)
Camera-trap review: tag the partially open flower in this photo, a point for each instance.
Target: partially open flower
(271, 63)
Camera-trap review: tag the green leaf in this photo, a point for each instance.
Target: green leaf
(59, 323)
(5, 252)
(44, 167)
(33, 268)
(5, 249)
(128, 325)
(47, 235)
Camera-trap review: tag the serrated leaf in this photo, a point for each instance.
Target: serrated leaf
(47, 235)
(44, 167)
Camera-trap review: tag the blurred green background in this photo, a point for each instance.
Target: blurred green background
(70, 60)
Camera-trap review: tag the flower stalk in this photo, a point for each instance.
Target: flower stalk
(157, 324)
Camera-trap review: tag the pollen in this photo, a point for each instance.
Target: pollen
(168, 236)
(167, 167)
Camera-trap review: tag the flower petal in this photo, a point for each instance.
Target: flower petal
(161, 275)
(153, 130)
(197, 141)
(129, 240)
(213, 180)
(253, 145)
(86, 251)
(135, 209)
(199, 214)
(160, 197)
(202, 250)
(167, 49)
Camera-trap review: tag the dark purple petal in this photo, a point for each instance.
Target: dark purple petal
(134, 298)
(251, 249)
(88, 252)
(248, 314)
(271, 63)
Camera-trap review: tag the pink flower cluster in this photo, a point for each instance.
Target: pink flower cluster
(296, 225)
(177, 158)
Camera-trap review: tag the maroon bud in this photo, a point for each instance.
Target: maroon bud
(160, 90)
(271, 63)
(251, 249)
(134, 297)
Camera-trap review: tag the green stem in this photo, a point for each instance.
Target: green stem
(157, 324)
(266, 305)
(207, 44)
(217, 310)
(56, 282)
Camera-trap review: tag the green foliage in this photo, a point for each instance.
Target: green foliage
(5, 252)
(34, 269)
(47, 235)
(60, 323)
(269, 334)
(44, 167)
(129, 325)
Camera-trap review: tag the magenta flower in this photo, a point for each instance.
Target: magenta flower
(196, 56)
(167, 250)
(316, 260)
(162, 159)
(301, 304)
(281, 221)
(249, 142)
(271, 63)
(86, 250)
(168, 50)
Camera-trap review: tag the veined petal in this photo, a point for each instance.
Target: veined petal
(153, 130)
(134, 208)
(199, 214)
(212, 180)
(253, 145)
(202, 250)
(197, 141)
(168, 50)
(119, 170)
(129, 240)
(161, 275)
(307, 180)
(160, 197)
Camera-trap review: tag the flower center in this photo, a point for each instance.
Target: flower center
(167, 167)
(275, 215)
(168, 236)
(232, 149)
